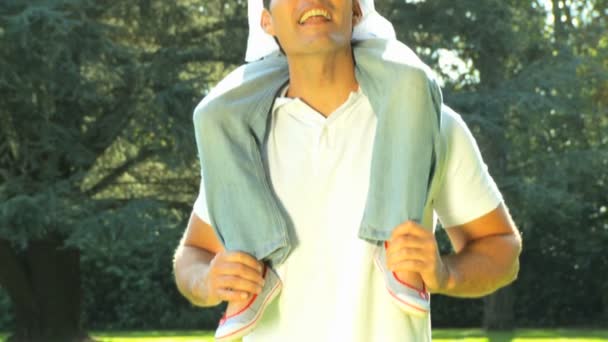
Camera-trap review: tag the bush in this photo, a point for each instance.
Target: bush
(130, 285)
(6, 317)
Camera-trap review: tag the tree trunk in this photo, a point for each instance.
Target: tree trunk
(559, 30)
(605, 303)
(14, 279)
(498, 310)
(43, 283)
(498, 307)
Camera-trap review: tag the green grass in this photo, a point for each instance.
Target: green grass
(155, 336)
(528, 335)
(439, 335)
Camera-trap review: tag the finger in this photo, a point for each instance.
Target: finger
(238, 284)
(405, 255)
(406, 241)
(230, 295)
(246, 259)
(409, 266)
(241, 271)
(409, 228)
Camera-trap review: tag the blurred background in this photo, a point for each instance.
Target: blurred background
(98, 165)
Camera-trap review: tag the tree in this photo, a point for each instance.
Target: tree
(96, 136)
(523, 88)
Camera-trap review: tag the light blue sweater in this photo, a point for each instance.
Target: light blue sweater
(232, 123)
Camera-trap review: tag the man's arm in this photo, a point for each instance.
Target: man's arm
(206, 274)
(486, 255)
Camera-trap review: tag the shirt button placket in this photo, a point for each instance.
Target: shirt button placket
(320, 151)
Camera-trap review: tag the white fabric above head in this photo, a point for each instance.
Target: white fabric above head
(260, 44)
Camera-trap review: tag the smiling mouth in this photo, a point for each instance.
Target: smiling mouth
(314, 13)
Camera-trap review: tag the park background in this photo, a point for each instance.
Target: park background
(99, 170)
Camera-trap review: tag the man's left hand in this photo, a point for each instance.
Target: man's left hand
(412, 248)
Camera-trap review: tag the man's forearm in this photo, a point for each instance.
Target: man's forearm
(190, 266)
(482, 266)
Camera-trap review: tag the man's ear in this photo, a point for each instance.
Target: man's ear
(357, 12)
(266, 23)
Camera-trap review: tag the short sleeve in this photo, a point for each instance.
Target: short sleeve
(468, 191)
(200, 205)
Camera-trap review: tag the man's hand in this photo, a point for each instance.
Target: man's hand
(485, 258)
(231, 276)
(413, 248)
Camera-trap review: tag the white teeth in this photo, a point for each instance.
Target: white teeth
(314, 13)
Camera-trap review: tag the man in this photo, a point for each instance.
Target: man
(318, 153)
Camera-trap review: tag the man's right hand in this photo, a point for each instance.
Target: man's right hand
(232, 276)
(206, 274)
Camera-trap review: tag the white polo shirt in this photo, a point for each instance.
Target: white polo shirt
(320, 169)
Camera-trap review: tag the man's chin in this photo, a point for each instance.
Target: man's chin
(321, 47)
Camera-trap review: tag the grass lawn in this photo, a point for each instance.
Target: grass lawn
(439, 335)
(527, 335)
(155, 336)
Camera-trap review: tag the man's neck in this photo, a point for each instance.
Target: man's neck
(324, 82)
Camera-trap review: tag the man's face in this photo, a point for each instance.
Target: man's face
(311, 26)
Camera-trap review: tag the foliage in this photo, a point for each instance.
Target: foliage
(97, 117)
(96, 137)
(130, 280)
(533, 90)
